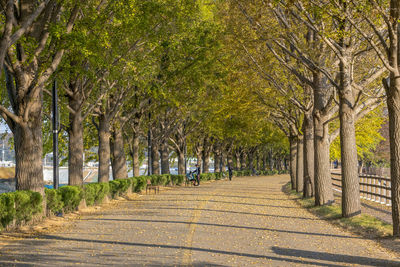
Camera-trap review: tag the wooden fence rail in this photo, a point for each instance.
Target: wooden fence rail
(372, 187)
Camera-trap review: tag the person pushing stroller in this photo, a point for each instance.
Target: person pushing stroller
(194, 176)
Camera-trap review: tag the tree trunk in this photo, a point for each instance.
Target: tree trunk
(323, 180)
(300, 165)
(217, 162)
(243, 161)
(270, 160)
(236, 161)
(206, 155)
(28, 155)
(257, 161)
(75, 144)
(308, 130)
(199, 158)
(264, 160)
(251, 160)
(155, 158)
(350, 181)
(135, 155)
(104, 149)
(223, 161)
(293, 158)
(118, 162)
(393, 103)
(181, 162)
(164, 151)
(206, 162)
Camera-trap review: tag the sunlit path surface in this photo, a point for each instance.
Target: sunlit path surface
(246, 222)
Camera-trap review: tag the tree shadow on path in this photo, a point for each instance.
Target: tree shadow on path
(224, 225)
(366, 261)
(280, 251)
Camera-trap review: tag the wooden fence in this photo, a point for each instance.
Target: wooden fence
(372, 187)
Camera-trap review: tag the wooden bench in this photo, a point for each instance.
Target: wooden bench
(150, 187)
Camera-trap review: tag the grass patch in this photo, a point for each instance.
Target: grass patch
(363, 224)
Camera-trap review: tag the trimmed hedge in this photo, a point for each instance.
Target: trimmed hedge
(119, 187)
(19, 207)
(54, 201)
(71, 196)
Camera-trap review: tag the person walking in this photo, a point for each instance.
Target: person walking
(230, 172)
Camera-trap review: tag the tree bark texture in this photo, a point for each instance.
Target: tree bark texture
(181, 163)
(104, 148)
(28, 151)
(264, 160)
(75, 144)
(135, 155)
(251, 160)
(293, 158)
(118, 162)
(308, 162)
(223, 161)
(236, 161)
(350, 181)
(300, 165)
(206, 156)
(323, 181)
(217, 161)
(164, 151)
(206, 162)
(243, 165)
(393, 103)
(155, 158)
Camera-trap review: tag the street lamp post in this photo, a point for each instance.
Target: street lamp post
(55, 136)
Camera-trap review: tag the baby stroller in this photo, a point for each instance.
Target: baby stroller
(191, 178)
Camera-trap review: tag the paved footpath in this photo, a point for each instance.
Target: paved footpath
(245, 222)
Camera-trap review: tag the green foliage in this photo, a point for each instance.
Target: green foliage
(140, 183)
(7, 209)
(27, 203)
(95, 193)
(119, 186)
(177, 179)
(19, 206)
(54, 201)
(71, 197)
(207, 176)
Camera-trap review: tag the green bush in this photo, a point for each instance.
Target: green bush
(177, 179)
(140, 183)
(104, 190)
(90, 192)
(19, 206)
(27, 204)
(119, 187)
(7, 210)
(71, 197)
(53, 200)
